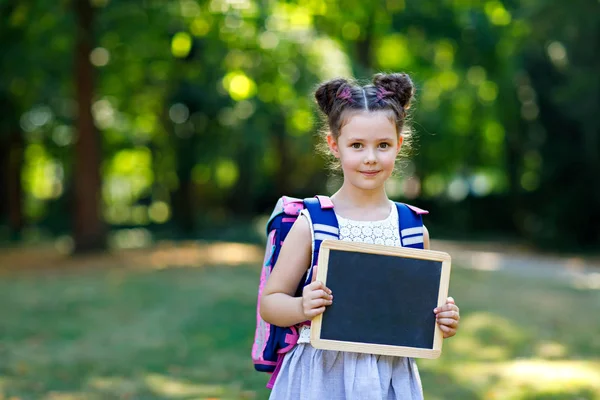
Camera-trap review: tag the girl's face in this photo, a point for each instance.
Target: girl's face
(367, 148)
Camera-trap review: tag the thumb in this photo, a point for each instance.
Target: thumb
(314, 273)
(450, 300)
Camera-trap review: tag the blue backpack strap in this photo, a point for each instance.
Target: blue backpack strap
(411, 225)
(324, 224)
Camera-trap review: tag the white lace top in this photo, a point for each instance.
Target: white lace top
(373, 232)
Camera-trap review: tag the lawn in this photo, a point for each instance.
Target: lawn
(184, 332)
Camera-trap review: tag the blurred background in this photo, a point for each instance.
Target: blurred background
(143, 143)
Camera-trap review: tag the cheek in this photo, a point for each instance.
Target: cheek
(389, 159)
(350, 160)
(354, 159)
(347, 158)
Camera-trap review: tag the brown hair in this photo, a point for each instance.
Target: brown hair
(340, 98)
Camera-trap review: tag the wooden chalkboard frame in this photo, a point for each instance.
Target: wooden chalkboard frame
(372, 348)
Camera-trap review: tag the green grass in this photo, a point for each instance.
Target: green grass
(185, 333)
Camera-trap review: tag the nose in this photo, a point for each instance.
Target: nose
(370, 157)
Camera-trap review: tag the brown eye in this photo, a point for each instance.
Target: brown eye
(355, 145)
(384, 145)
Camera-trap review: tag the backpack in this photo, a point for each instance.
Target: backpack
(271, 342)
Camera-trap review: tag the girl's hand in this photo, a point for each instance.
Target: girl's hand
(447, 317)
(315, 297)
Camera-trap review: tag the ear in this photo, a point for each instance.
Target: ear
(400, 141)
(333, 146)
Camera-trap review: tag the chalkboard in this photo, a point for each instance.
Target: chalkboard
(383, 299)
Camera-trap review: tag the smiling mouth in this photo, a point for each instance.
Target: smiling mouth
(369, 173)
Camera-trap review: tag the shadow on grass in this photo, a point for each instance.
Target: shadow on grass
(154, 332)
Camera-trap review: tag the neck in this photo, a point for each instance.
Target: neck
(351, 196)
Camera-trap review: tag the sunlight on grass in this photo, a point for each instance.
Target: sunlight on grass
(588, 282)
(485, 336)
(168, 386)
(528, 378)
(176, 388)
(554, 374)
(71, 396)
(551, 350)
(114, 385)
(485, 261)
(190, 254)
(162, 255)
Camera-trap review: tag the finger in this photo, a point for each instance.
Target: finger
(447, 307)
(320, 302)
(447, 332)
(319, 294)
(449, 314)
(448, 322)
(450, 300)
(314, 285)
(318, 285)
(315, 294)
(315, 311)
(314, 273)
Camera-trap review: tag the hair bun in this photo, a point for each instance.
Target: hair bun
(326, 93)
(399, 84)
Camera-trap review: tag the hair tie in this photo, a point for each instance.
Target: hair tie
(346, 94)
(382, 93)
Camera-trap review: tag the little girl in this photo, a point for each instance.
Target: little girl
(365, 135)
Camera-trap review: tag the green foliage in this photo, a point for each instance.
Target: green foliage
(217, 96)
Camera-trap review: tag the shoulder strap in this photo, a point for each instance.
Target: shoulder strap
(324, 225)
(410, 223)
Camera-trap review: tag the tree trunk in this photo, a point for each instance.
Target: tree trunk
(13, 183)
(183, 199)
(11, 145)
(4, 152)
(89, 231)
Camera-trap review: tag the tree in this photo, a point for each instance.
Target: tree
(11, 135)
(89, 230)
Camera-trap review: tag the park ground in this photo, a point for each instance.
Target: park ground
(175, 321)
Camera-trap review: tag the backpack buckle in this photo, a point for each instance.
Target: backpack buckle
(325, 202)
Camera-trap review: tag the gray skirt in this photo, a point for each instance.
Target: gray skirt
(309, 373)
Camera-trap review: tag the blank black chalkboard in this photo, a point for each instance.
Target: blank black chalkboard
(383, 299)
